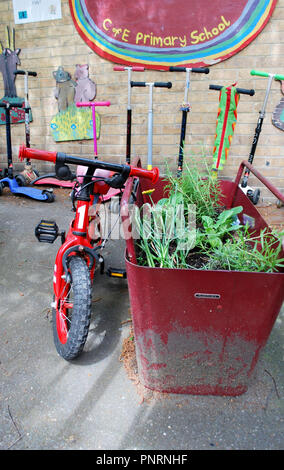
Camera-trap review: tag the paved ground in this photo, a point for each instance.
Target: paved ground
(91, 403)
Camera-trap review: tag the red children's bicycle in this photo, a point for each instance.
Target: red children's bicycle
(81, 247)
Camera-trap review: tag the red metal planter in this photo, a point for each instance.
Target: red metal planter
(200, 332)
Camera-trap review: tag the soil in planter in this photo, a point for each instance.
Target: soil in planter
(195, 259)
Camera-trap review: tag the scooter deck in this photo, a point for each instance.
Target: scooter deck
(23, 190)
(53, 182)
(69, 184)
(111, 193)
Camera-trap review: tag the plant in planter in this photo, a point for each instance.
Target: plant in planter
(191, 228)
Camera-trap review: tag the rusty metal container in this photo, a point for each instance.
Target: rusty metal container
(200, 332)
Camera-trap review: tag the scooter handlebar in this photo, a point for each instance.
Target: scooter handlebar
(135, 68)
(243, 91)
(92, 103)
(163, 84)
(25, 72)
(193, 69)
(17, 104)
(54, 157)
(266, 74)
(155, 84)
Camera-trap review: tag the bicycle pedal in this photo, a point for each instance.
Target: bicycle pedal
(114, 272)
(47, 231)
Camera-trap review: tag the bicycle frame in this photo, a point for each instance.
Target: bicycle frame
(78, 237)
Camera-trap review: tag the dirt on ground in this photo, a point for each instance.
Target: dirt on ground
(128, 357)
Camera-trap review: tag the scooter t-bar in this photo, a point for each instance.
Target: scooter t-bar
(151, 85)
(185, 107)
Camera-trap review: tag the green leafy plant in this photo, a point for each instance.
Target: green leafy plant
(246, 252)
(198, 188)
(215, 231)
(217, 240)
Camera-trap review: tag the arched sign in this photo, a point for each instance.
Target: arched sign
(161, 33)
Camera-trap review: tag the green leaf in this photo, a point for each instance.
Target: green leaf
(208, 222)
(228, 214)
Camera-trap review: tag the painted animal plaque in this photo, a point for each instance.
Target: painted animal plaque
(71, 122)
(9, 59)
(278, 114)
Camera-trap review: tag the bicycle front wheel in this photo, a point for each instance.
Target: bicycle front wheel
(72, 313)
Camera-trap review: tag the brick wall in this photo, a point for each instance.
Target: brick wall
(47, 45)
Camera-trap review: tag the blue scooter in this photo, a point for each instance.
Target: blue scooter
(16, 183)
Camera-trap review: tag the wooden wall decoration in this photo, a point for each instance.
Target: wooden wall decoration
(278, 114)
(162, 33)
(72, 123)
(9, 60)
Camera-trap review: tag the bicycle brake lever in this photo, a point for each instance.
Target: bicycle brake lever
(118, 179)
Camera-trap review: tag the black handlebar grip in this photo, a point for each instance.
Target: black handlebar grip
(163, 84)
(17, 104)
(243, 91)
(156, 84)
(194, 69)
(173, 68)
(138, 83)
(22, 72)
(200, 70)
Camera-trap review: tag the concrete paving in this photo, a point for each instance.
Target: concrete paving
(47, 403)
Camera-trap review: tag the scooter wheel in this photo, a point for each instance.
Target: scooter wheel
(1, 189)
(21, 180)
(50, 196)
(256, 196)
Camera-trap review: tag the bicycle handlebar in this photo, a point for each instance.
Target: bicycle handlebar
(243, 91)
(155, 84)
(60, 157)
(266, 74)
(25, 72)
(193, 69)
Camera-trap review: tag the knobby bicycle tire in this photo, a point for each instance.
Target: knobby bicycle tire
(78, 316)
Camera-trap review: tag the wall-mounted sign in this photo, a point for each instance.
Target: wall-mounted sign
(161, 33)
(29, 11)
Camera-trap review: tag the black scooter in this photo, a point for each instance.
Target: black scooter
(185, 108)
(254, 195)
(15, 183)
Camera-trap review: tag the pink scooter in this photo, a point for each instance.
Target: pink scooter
(81, 170)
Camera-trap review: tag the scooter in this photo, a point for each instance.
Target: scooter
(80, 169)
(229, 112)
(185, 108)
(150, 113)
(14, 183)
(120, 68)
(254, 195)
(29, 174)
